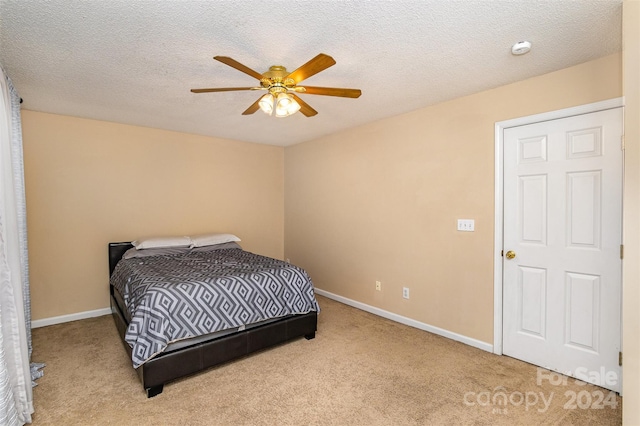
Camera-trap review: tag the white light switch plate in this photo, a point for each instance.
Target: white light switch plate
(467, 225)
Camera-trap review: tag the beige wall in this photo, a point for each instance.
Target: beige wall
(380, 202)
(91, 182)
(631, 277)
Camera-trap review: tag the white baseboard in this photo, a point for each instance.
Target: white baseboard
(71, 317)
(362, 306)
(408, 321)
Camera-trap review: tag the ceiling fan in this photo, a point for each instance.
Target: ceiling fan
(282, 86)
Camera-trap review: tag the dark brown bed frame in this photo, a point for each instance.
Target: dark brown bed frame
(192, 359)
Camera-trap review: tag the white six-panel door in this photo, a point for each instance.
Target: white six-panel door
(563, 223)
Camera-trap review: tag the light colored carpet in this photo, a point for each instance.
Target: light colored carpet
(359, 370)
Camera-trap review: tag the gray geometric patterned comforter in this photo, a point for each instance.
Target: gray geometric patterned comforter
(174, 297)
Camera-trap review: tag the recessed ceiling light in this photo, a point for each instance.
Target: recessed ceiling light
(521, 47)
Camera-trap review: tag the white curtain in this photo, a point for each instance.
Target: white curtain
(16, 398)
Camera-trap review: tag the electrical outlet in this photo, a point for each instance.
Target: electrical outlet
(288, 260)
(467, 225)
(405, 292)
(378, 286)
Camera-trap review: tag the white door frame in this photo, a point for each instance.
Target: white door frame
(499, 202)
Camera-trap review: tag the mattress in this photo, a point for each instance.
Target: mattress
(174, 298)
(190, 341)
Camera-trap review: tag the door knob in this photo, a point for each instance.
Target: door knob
(511, 254)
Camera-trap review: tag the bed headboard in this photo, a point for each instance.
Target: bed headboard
(116, 250)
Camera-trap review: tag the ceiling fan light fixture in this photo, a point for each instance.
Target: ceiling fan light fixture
(266, 103)
(279, 83)
(286, 105)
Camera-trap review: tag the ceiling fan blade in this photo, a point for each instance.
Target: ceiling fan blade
(222, 89)
(237, 65)
(253, 108)
(331, 91)
(304, 107)
(314, 66)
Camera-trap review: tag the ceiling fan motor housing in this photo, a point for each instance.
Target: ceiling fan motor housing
(275, 80)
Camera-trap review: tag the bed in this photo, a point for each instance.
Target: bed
(169, 338)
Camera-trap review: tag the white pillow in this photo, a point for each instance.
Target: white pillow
(212, 239)
(147, 243)
(156, 251)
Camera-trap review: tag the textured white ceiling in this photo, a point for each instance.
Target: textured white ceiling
(135, 61)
